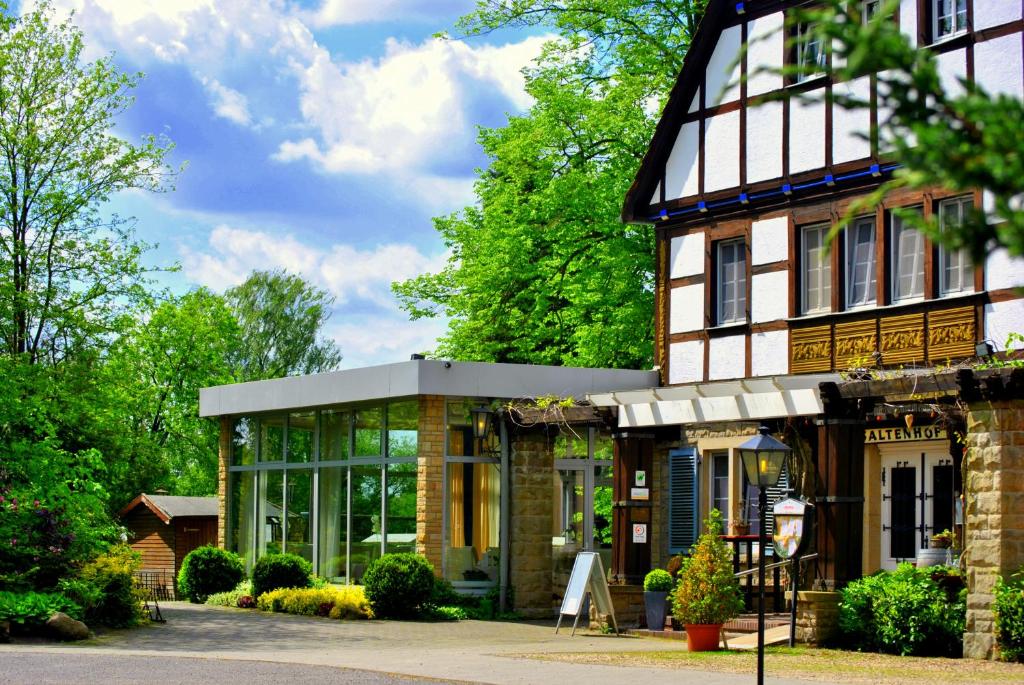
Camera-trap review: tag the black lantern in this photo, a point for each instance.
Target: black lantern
(763, 457)
(481, 422)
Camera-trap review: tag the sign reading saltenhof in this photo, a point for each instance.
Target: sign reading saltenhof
(899, 434)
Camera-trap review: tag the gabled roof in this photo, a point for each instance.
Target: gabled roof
(690, 76)
(167, 507)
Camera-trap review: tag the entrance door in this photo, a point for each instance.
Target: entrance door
(919, 491)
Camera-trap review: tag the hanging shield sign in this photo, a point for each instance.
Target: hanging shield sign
(794, 520)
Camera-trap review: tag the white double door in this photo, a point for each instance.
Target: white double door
(919, 494)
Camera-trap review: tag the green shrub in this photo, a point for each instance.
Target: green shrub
(1009, 615)
(113, 574)
(32, 609)
(446, 613)
(707, 592)
(275, 571)
(344, 602)
(398, 585)
(231, 597)
(208, 570)
(658, 581)
(902, 612)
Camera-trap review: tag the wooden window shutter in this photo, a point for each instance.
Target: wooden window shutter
(683, 517)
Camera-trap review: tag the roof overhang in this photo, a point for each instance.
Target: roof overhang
(412, 378)
(745, 399)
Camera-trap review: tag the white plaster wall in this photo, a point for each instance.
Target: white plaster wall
(686, 256)
(952, 67)
(723, 77)
(998, 66)
(1003, 318)
(722, 147)
(764, 142)
(769, 296)
(908, 19)
(988, 13)
(726, 357)
(656, 197)
(850, 127)
(1003, 271)
(765, 48)
(682, 168)
(686, 361)
(686, 308)
(695, 103)
(769, 240)
(769, 353)
(806, 135)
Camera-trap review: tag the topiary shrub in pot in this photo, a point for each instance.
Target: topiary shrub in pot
(657, 585)
(208, 570)
(708, 595)
(398, 585)
(275, 571)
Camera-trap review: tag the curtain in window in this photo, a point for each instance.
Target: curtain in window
(860, 271)
(485, 506)
(908, 261)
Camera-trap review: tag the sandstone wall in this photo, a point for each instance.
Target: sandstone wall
(532, 459)
(430, 480)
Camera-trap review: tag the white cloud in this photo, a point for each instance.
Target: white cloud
(343, 12)
(365, 341)
(228, 103)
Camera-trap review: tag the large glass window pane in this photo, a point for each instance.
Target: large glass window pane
(403, 429)
(334, 431)
(272, 438)
(474, 496)
(567, 523)
(300, 512)
(603, 479)
(860, 263)
(242, 508)
(243, 442)
(907, 262)
(300, 437)
(401, 520)
(270, 534)
(367, 429)
(817, 270)
(732, 281)
(955, 272)
(333, 523)
(366, 523)
(572, 445)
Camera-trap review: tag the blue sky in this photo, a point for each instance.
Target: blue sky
(320, 137)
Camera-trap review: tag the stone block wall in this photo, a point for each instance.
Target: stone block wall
(994, 512)
(223, 457)
(532, 464)
(430, 480)
(817, 617)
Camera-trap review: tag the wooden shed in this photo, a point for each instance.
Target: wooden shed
(165, 528)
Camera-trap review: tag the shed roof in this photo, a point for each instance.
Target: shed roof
(167, 507)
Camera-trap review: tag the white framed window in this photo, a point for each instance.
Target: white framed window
(860, 263)
(907, 262)
(811, 58)
(949, 18)
(869, 9)
(720, 485)
(732, 281)
(956, 274)
(816, 270)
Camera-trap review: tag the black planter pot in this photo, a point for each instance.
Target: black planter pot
(656, 605)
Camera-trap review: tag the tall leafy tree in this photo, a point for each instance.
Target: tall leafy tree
(281, 318)
(542, 270)
(67, 273)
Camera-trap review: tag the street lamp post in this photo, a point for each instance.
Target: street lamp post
(763, 457)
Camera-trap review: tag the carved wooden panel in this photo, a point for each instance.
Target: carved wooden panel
(902, 339)
(855, 343)
(810, 349)
(951, 334)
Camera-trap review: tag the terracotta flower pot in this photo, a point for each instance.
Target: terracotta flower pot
(703, 637)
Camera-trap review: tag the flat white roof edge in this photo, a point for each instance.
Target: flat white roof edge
(416, 377)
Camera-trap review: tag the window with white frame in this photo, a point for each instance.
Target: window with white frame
(949, 18)
(869, 9)
(816, 271)
(811, 58)
(907, 261)
(956, 275)
(860, 263)
(732, 281)
(720, 485)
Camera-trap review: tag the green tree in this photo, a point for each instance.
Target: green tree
(281, 318)
(67, 273)
(542, 270)
(959, 140)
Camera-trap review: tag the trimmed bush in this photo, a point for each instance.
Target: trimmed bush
(231, 597)
(658, 581)
(275, 571)
(208, 570)
(344, 602)
(399, 585)
(120, 597)
(1009, 615)
(902, 612)
(707, 592)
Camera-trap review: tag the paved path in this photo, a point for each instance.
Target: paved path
(475, 651)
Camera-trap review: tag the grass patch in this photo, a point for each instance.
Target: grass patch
(828, 665)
